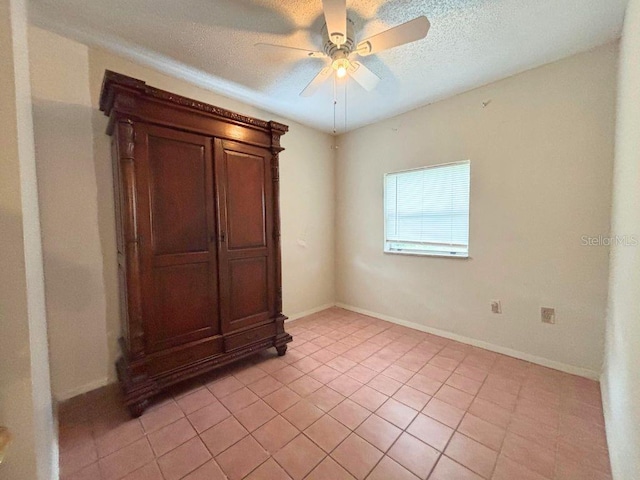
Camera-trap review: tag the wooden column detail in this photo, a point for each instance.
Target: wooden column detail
(126, 151)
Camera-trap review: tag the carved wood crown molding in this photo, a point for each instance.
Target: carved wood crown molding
(112, 80)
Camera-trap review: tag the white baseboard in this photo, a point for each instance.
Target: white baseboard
(74, 392)
(563, 367)
(296, 316)
(612, 440)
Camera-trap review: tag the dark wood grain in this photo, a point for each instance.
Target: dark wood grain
(248, 279)
(246, 200)
(247, 252)
(178, 192)
(179, 280)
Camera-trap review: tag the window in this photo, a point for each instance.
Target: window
(426, 210)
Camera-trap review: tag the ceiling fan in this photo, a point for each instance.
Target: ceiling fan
(340, 46)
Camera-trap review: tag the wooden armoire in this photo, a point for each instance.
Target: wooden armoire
(198, 235)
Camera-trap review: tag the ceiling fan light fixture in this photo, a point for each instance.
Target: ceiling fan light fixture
(341, 66)
(339, 44)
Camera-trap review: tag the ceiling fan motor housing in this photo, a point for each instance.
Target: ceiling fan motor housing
(334, 51)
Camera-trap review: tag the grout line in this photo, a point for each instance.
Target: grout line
(455, 430)
(403, 349)
(530, 358)
(506, 432)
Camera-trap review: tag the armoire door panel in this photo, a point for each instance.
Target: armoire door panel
(178, 237)
(245, 200)
(182, 304)
(245, 190)
(248, 281)
(178, 194)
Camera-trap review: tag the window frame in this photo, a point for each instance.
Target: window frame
(424, 253)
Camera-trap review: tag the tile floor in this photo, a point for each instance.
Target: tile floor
(354, 397)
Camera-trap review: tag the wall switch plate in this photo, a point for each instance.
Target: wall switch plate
(548, 315)
(496, 306)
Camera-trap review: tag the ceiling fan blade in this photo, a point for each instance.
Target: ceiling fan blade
(308, 53)
(335, 14)
(318, 80)
(406, 33)
(365, 77)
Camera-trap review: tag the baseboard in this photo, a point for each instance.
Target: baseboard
(73, 392)
(614, 456)
(296, 316)
(604, 394)
(87, 387)
(563, 367)
(583, 372)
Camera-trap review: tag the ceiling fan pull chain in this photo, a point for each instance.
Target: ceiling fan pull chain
(346, 84)
(335, 102)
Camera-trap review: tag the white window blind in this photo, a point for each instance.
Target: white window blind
(427, 210)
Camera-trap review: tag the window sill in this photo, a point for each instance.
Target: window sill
(463, 256)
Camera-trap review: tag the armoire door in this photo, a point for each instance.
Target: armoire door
(245, 209)
(176, 205)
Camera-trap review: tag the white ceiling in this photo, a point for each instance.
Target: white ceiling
(211, 43)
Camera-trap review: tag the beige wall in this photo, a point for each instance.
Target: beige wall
(621, 378)
(78, 193)
(76, 301)
(541, 164)
(25, 395)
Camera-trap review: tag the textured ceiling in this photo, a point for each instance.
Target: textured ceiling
(211, 43)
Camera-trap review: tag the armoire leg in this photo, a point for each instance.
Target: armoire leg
(282, 349)
(136, 409)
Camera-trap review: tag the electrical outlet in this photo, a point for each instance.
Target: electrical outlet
(496, 306)
(548, 315)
